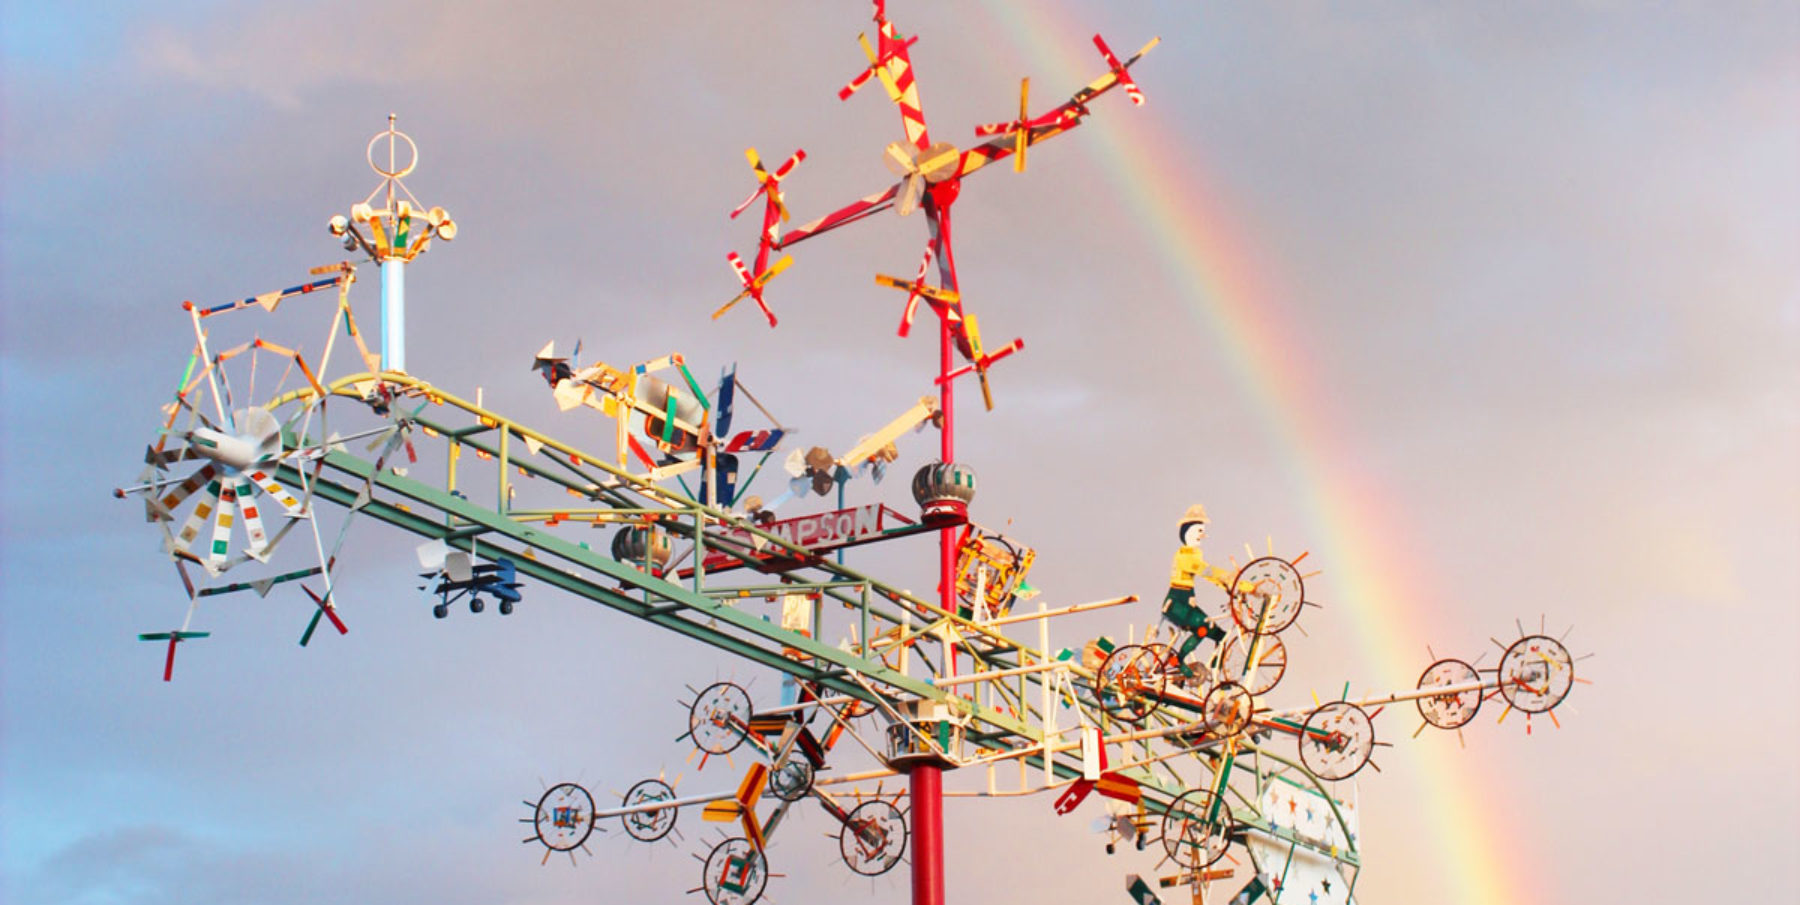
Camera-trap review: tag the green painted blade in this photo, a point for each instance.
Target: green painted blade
(317, 613)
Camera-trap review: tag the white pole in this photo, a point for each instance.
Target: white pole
(393, 314)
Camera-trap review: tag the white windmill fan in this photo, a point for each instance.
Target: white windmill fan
(240, 460)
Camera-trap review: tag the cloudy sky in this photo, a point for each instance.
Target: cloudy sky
(1495, 309)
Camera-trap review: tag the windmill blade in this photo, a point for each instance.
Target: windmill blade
(749, 792)
(289, 503)
(164, 509)
(203, 510)
(221, 535)
(726, 399)
(256, 539)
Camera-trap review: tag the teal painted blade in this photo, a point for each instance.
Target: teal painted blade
(310, 626)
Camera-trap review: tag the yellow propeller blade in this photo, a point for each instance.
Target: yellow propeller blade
(1023, 136)
(881, 70)
(775, 270)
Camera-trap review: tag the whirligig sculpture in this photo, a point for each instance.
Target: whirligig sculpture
(1236, 794)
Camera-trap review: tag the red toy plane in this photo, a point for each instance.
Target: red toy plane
(775, 213)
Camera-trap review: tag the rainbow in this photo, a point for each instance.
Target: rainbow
(1225, 291)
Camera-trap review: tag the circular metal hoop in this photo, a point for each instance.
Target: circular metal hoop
(394, 136)
(1271, 662)
(1267, 595)
(1130, 683)
(873, 838)
(719, 720)
(1228, 709)
(1455, 709)
(735, 873)
(1197, 829)
(1536, 673)
(651, 825)
(792, 780)
(1337, 740)
(565, 817)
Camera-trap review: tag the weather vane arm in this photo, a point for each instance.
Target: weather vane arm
(869, 206)
(1060, 119)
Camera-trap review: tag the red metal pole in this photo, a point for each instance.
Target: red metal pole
(927, 780)
(928, 834)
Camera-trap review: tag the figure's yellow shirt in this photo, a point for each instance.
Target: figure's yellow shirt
(1188, 564)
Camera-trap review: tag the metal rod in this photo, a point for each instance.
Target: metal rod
(1076, 608)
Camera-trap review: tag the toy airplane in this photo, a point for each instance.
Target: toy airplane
(775, 213)
(457, 577)
(674, 416)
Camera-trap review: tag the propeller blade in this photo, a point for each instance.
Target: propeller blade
(1119, 71)
(881, 70)
(913, 188)
(939, 162)
(788, 166)
(1023, 136)
(747, 202)
(762, 179)
(737, 265)
(901, 159)
(850, 87)
(775, 270)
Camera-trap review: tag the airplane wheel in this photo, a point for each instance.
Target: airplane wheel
(506, 607)
(476, 605)
(441, 610)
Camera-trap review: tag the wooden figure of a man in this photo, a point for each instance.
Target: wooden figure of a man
(1178, 607)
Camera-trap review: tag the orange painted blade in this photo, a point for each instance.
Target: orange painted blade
(751, 789)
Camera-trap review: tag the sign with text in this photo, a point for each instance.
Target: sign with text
(819, 532)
